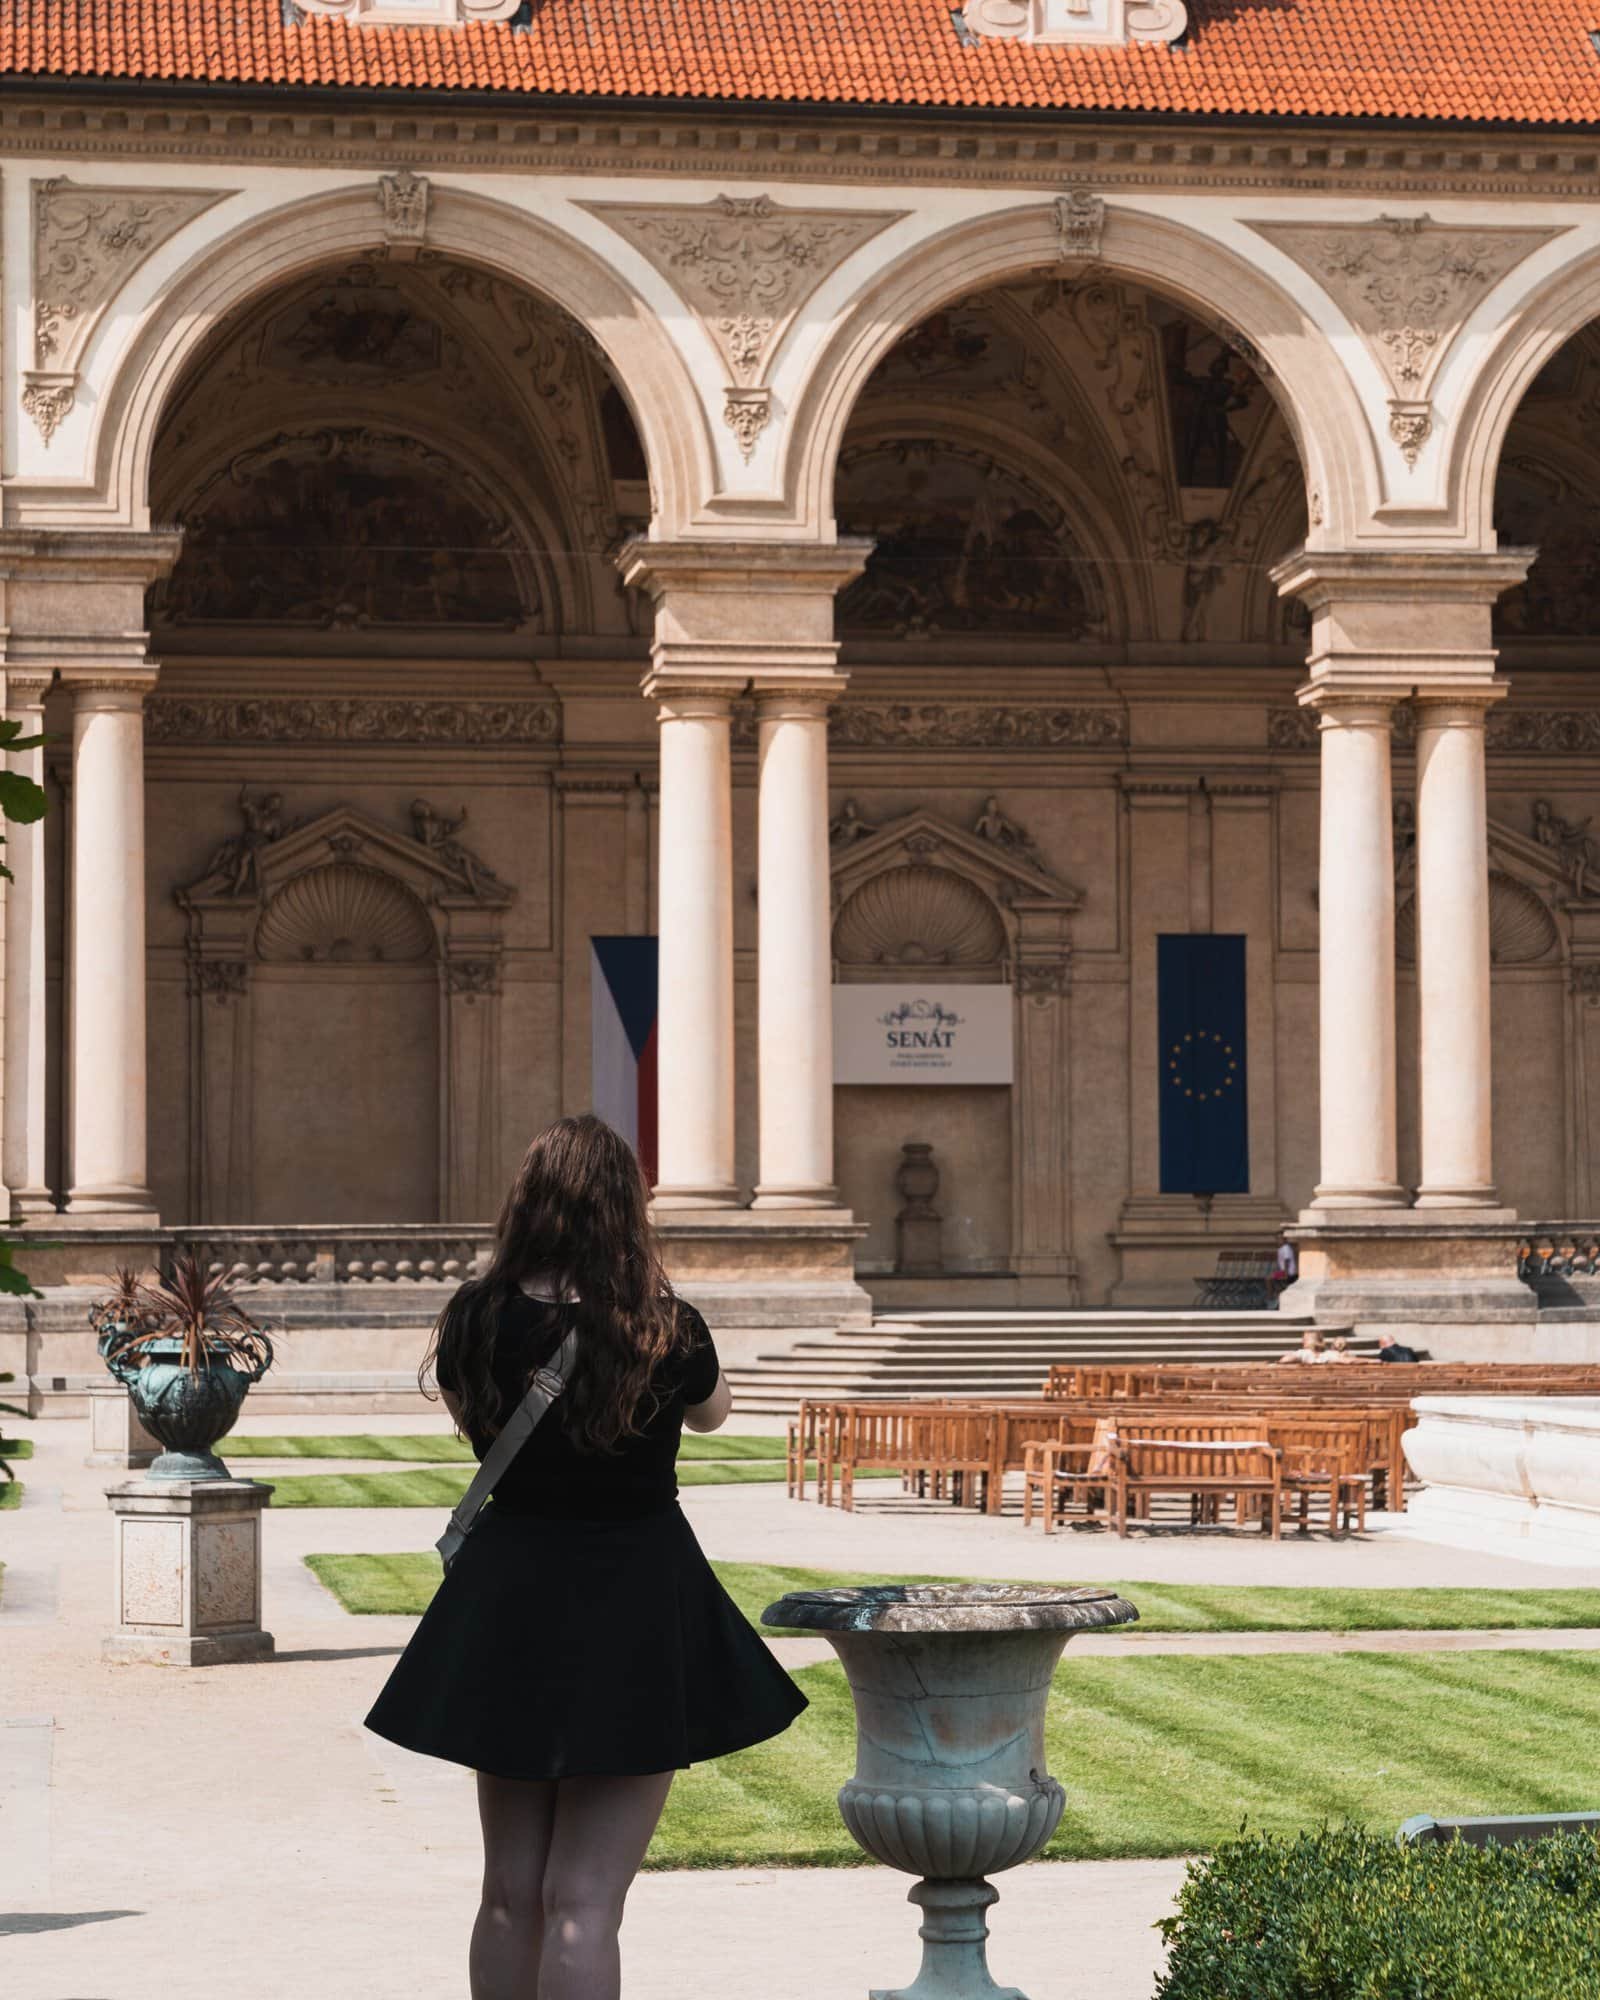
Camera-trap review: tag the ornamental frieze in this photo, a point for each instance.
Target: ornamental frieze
(1550, 731)
(87, 241)
(975, 726)
(351, 719)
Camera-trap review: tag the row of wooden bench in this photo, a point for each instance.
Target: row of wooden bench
(1107, 1455)
(1109, 1438)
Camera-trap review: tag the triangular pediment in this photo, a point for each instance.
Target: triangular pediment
(254, 865)
(1005, 863)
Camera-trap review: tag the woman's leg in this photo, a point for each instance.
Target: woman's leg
(602, 1828)
(517, 1817)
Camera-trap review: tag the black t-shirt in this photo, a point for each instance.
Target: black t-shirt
(550, 1476)
(1398, 1352)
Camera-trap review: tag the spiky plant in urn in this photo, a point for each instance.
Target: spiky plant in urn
(186, 1351)
(950, 1683)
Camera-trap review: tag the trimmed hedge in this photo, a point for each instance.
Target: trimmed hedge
(1349, 1915)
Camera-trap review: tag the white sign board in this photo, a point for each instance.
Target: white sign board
(914, 1033)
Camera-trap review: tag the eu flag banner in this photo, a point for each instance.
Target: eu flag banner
(622, 1017)
(1200, 1004)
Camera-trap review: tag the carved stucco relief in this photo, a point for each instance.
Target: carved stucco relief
(350, 719)
(1408, 284)
(1553, 731)
(87, 241)
(744, 265)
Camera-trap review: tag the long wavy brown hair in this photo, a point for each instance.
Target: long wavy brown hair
(578, 1219)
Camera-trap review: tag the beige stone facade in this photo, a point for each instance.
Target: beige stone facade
(430, 546)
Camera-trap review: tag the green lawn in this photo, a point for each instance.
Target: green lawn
(16, 1447)
(441, 1448)
(10, 1494)
(1169, 1756)
(443, 1486)
(405, 1583)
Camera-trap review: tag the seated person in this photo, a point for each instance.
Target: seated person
(1390, 1349)
(1339, 1350)
(1310, 1348)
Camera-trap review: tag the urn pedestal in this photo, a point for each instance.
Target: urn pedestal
(187, 1571)
(117, 1437)
(950, 1683)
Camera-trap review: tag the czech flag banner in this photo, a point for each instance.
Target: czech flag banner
(623, 979)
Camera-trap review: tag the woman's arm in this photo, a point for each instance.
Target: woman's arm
(714, 1412)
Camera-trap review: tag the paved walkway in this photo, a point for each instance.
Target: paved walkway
(161, 1832)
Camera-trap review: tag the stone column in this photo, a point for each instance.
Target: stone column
(795, 997)
(694, 1019)
(1356, 965)
(23, 1142)
(108, 1179)
(733, 617)
(1387, 627)
(1453, 951)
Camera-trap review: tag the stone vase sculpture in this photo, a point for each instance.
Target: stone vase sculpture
(950, 1683)
(917, 1247)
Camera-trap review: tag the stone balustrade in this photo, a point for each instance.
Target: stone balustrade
(342, 1256)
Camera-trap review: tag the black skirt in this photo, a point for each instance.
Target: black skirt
(558, 1649)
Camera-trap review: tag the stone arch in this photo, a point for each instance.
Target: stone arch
(295, 240)
(1547, 319)
(1329, 427)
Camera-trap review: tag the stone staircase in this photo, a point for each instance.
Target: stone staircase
(1001, 1354)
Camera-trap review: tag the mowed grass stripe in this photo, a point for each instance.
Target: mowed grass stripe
(442, 1448)
(1167, 1756)
(436, 1486)
(404, 1584)
(10, 1494)
(16, 1447)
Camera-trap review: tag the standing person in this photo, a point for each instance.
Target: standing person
(580, 1650)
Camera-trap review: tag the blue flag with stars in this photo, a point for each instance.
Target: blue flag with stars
(1200, 1006)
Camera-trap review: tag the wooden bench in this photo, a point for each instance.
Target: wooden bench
(1193, 1460)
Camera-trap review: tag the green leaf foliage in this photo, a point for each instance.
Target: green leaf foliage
(20, 798)
(1348, 1915)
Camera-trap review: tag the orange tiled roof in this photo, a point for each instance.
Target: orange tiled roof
(1491, 61)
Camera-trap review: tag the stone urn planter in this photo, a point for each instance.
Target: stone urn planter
(950, 1683)
(186, 1352)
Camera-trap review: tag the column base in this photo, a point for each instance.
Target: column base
(133, 1217)
(1479, 1197)
(31, 1204)
(812, 1198)
(675, 1199)
(146, 1649)
(1378, 1194)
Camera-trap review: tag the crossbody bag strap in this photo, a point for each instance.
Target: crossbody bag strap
(547, 1384)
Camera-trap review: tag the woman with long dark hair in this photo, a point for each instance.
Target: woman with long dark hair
(580, 1650)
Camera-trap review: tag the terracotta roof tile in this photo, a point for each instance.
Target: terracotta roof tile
(1522, 61)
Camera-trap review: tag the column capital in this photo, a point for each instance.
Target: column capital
(739, 611)
(1401, 575)
(1397, 621)
(107, 684)
(1440, 706)
(1340, 703)
(721, 566)
(804, 700)
(27, 687)
(703, 696)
